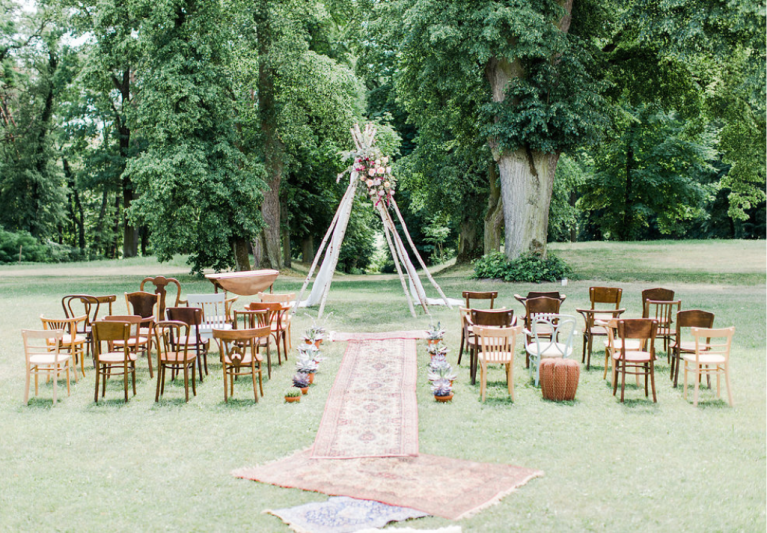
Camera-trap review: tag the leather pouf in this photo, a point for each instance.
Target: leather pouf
(559, 379)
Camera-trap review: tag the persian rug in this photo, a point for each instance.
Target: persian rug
(343, 515)
(339, 336)
(440, 486)
(371, 410)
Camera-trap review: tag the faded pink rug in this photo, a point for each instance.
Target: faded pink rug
(441, 486)
(339, 336)
(372, 410)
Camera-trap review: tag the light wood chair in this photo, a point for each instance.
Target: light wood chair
(664, 312)
(598, 295)
(465, 313)
(112, 353)
(137, 342)
(501, 318)
(253, 320)
(286, 300)
(636, 362)
(42, 350)
(276, 312)
(72, 342)
(496, 346)
(174, 354)
(240, 357)
(711, 356)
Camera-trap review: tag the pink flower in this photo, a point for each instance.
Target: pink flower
(371, 172)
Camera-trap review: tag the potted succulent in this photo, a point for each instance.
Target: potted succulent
(301, 381)
(311, 352)
(443, 390)
(314, 338)
(434, 334)
(306, 365)
(437, 350)
(292, 395)
(442, 371)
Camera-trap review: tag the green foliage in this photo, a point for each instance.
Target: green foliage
(13, 244)
(527, 267)
(563, 213)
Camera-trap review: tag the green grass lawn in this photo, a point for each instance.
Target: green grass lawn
(608, 466)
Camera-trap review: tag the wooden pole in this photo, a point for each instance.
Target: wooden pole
(322, 246)
(420, 260)
(395, 257)
(405, 259)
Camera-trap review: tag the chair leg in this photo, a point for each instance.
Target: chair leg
(588, 353)
(253, 377)
(482, 382)
(125, 379)
(260, 380)
(727, 382)
(26, 388)
(697, 386)
(98, 373)
(585, 342)
(460, 350)
(160, 375)
(623, 380)
(186, 381)
(69, 364)
(226, 385)
(55, 383)
(108, 371)
(652, 380)
(510, 380)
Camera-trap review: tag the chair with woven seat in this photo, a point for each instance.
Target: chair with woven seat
(173, 353)
(276, 312)
(540, 305)
(191, 316)
(161, 283)
(664, 312)
(496, 346)
(240, 357)
(137, 342)
(112, 353)
(636, 362)
(602, 296)
(465, 313)
(711, 356)
(72, 341)
(499, 318)
(285, 299)
(42, 351)
(689, 318)
(551, 336)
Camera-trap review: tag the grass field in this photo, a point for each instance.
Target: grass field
(146, 466)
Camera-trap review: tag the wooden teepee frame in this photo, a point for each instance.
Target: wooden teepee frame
(334, 237)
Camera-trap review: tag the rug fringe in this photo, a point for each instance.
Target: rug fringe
(498, 497)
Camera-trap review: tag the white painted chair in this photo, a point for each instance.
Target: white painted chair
(214, 312)
(552, 336)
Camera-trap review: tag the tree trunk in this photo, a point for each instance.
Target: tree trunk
(116, 230)
(494, 216)
(285, 227)
(627, 211)
(307, 249)
(241, 256)
(144, 235)
(98, 240)
(527, 177)
(469, 246)
(130, 232)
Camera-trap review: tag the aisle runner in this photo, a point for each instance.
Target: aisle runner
(372, 410)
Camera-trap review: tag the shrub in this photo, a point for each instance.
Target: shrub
(528, 267)
(32, 250)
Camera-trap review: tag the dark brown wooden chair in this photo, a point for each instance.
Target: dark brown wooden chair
(137, 343)
(539, 305)
(253, 320)
(192, 316)
(600, 298)
(112, 354)
(664, 312)
(469, 296)
(689, 318)
(636, 362)
(657, 294)
(161, 283)
(499, 318)
(540, 294)
(147, 306)
(174, 355)
(240, 357)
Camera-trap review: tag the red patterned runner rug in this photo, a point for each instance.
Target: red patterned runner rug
(441, 486)
(372, 409)
(337, 336)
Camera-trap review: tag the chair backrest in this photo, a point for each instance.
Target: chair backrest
(81, 305)
(477, 295)
(275, 310)
(143, 304)
(711, 341)
(497, 344)
(268, 298)
(644, 329)
(657, 294)
(213, 308)
(693, 318)
(233, 343)
(605, 295)
(664, 311)
(107, 330)
(188, 315)
(252, 319)
(503, 318)
(160, 283)
(42, 342)
(552, 330)
(134, 321)
(542, 305)
(68, 325)
(167, 334)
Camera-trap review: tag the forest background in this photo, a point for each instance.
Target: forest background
(213, 128)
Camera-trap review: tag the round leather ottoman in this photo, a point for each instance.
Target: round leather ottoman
(559, 378)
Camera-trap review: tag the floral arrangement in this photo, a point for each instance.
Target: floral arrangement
(375, 172)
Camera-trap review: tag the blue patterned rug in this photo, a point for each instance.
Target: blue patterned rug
(343, 515)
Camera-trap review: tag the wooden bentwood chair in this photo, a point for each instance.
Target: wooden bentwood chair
(499, 318)
(285, 318)
(174, 354)
(192, 317)
(275, 315)
(636, 362)
(161, 283)
(240, 357)
(711, 356)
(109, 358)
(72, 341)
(689, 318)
(598, 295)
(540, 305)
(465, 313)
(496, 346)
(42, 351)
(253, 320)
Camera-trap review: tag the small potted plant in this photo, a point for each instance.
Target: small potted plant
(443, 390)
(310, 351)
(306, 365)
(443, 370)
(301, 381)
(434, 334)
(312, 337)
(437, 350)
(292, 395)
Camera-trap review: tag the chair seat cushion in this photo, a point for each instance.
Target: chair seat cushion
(171, 357)
(634, 356)
(687, 346)
(496, 357)
(705, 359)
(631, 344)
(245, 360)
(549, 349)
(192, 340)
(133, 341)
(598, 330)
(116, 357)
(67, 339)
(47, 359)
